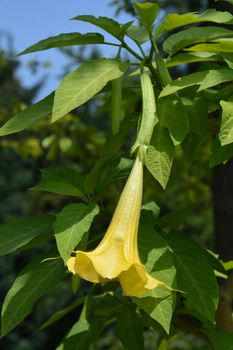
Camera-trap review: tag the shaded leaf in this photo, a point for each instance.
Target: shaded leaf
(138, 34)
(81, 85)
(28, 117)
(19, 232)
(197, 112)
(65, 181)
(70, 226)
(223, 45)
(216, 77)
(67, 39)
(220, 340)
(36, 279)
(128, 323)
(194, 274)
(219, 154)
(172, 115)
(193, 57)
(159, 156)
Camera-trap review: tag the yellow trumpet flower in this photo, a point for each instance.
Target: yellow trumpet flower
(116, 256)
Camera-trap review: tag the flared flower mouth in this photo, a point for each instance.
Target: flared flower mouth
(116, 256)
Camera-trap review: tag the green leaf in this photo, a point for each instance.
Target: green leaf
(129, 329)
(138, 34)
(108, 24)
(159, 156)
(172, 115)
(187, 37)
(28, 117)
(70, 226)
(81, 85)
(64, 181)
(61, 313)
(220, 154)
(215, 262)
(194, 274)
(215, 77)
(220, 340)
(18, 232)
(197, 112)
(155, 254)
(183, 82)
(36, 279)
(226, 127)
(174, 20)
(67, 39)
(223, 45)
(193, 57)
(147, 12)
(81, 334)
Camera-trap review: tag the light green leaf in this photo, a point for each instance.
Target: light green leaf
(215, 77)
(223, 45)
(36, 279)
(155, 254)
(197, 112)
(174, 20)
(194, 274)
(28, 117)
(183, 82)
(220, 154)
(64, 181)
(108, 24)
(193, 57)
(147, 12)
(70, 226)
(172, 115)
(138, 34)
(187, 37)
(129, 323)
(159, 155)
(61, 313)
(226, 127)
(18, 232)
(81, 85)
(67, 39)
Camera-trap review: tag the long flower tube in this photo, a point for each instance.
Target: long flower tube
(116, 256)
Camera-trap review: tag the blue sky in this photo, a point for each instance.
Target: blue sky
(29, 21)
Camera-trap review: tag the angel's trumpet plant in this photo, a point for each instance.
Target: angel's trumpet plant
(116, 256)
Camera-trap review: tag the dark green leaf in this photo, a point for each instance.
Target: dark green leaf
(36, 279)
(226, 127)
(220, 154)
(81, 85)
(70, 226)
(194, 274)
(65, 181)
(193, 57)
(197, 112)
(172, 115)
(18, 232)
(28, 117)
(147, 12)
(183, 82)
(61, 313)
(159, 156)
(174, 20)
(129, 329)
(108, 24)
(220, 340)
(67, 39)
(184, 38)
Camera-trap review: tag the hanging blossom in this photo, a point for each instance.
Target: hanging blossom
(116, 256)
